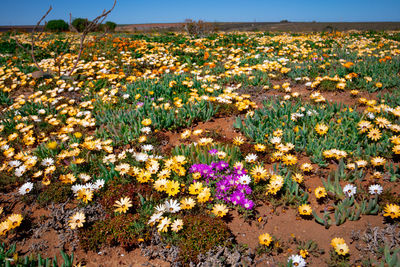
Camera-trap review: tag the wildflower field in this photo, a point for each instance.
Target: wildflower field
(227, 149)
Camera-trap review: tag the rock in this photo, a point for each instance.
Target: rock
(37, 74)
(40, 74)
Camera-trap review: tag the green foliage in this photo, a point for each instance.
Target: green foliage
(389, 197)
(9, 257)
(8, 47)
(291, 194)
(200, 234)
(342, 135)
(311, 246)
(384, 72)
(332, 185)
(336, 260)
(276, 247)
(116, 230)
(8, 182)
(327, 85)
(121, 121)
(121, 229)
(57, 25)
(116, 190)
(199, 154)
(127, 122)
(110, 26)
(348, 209)
(391, 257)
(55, 192)
(5, 100)
(80, 24)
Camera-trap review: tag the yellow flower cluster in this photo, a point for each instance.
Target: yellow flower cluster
(340, 246)
(12, 222)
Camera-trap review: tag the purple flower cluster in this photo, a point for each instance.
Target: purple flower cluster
(213, 151)
(226, 181)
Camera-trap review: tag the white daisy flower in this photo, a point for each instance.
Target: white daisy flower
(375, 189)
(147, 147)
(161, 208)
(250, 158)
(122, 155)
(297, 261)
(85, 177)
(20, 170)
(361, 163)
(146, 130)
(155, 217)
(370, 115)
(25, 188)
(99, 184)
(110, 159)
(295, 116)
(123, 168)
(349, 190)
(275, 140)
(172, 206)
(47, 162)
(177, 225)
(164, 222)
(76, 187)
(141, 157)
(14, 163)
(90, 186)
(244, 179)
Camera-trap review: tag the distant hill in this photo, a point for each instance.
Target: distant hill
(248, 26)
(270, 26)
(23, 28)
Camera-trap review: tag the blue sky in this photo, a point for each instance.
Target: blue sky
(27, 12)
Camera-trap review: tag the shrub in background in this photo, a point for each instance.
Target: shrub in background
(80, 24)
(110, 26)
(57, 25)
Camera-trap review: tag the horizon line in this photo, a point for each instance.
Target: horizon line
(289, 21)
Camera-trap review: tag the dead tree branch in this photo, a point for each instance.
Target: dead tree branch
(90, 27)
(34, 38)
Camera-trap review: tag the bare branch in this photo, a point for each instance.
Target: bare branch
(70, 24)
(91, 26)
(40, 21)
(34, 38)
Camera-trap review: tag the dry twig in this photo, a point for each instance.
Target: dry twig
(34, 39)
(90, 27)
